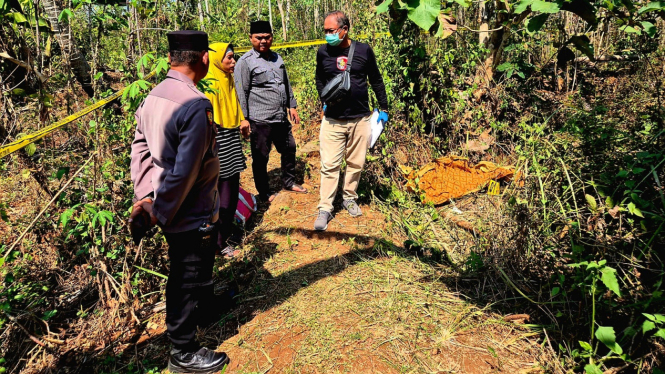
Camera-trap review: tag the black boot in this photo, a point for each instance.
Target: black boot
(203, 361)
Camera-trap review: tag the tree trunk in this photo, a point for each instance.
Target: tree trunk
(497, 42)
(77, 62)
(281, 13)
(316, 16)
(270, 14)
(286, 19)
(201, 26)
(484, 21)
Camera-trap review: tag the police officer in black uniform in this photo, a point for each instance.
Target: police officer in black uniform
(175, 169)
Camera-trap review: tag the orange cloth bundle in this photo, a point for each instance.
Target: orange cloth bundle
(452, 176)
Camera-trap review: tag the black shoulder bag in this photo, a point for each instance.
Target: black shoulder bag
(340, 86)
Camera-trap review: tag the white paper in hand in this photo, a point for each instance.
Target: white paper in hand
(377, 128)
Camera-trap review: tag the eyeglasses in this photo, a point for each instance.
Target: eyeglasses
(331, 31)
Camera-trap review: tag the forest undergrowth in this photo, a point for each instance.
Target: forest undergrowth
(572, 96)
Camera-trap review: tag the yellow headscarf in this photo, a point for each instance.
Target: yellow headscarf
(226, 109)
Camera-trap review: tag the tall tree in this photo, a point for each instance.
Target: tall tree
(80, 67)
(280, 6)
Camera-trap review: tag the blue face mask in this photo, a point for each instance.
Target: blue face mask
(333, 39)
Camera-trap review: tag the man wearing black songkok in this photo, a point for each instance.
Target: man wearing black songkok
(267, 102)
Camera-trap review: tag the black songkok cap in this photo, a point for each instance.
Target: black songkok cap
(260, 27)
(188, 40)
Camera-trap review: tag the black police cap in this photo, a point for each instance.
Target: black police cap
(188, 40)
(260, 27)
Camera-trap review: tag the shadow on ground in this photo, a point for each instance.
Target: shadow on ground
(259, 291)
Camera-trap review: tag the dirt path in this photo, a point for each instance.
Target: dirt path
(350, 300)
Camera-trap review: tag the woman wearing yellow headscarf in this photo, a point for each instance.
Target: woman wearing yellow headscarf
(227, 116)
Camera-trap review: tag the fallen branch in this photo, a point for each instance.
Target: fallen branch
(607, 58)
(25, 330)
(24, 65)
(46, 207)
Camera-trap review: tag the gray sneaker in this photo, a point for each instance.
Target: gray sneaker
(321, 223)
(353, 208)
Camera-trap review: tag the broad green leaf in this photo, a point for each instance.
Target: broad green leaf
(592, 202)
(647, 326)
(65, 15)
(592, 369)
(605, 334)
(2, 261)
(630, 30)
(609, 278)
(660, 333)
(463, 3)
(423, 12)
(649, 28)
(66, 216)
(654, 5)
(383, 7)
(583, 44)
(634, 210)
(586, 346)
(534, 24)
(650, 317)
(555, 291)
(505, 66)
(545, 7)
(17, 17)
(49, 314)
(30, 149)
(521, 6)
(609, 202)
(61, 172)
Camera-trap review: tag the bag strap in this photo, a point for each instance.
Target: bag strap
(350, 58)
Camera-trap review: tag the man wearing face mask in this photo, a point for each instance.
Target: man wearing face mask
(345, 128)
(267, 103)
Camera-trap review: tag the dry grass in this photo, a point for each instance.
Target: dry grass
(351, 299)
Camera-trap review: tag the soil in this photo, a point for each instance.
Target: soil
(352, 300)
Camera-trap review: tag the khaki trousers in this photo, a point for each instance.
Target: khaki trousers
(337, 138)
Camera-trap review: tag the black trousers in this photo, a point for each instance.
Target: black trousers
(263, 136)
(192, 256)
(228, 202)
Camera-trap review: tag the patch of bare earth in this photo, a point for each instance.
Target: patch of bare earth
(351, 300)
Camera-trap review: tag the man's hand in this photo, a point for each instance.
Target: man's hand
(142, 206)
(293, 116)
(245, 129)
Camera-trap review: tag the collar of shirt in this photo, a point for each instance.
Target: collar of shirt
(179, 76)
(257, 54)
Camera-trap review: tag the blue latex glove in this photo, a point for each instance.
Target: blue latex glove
(383, 116)
(325, 106)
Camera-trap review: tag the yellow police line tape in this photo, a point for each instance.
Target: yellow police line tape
(306, 43)
(26, 140)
